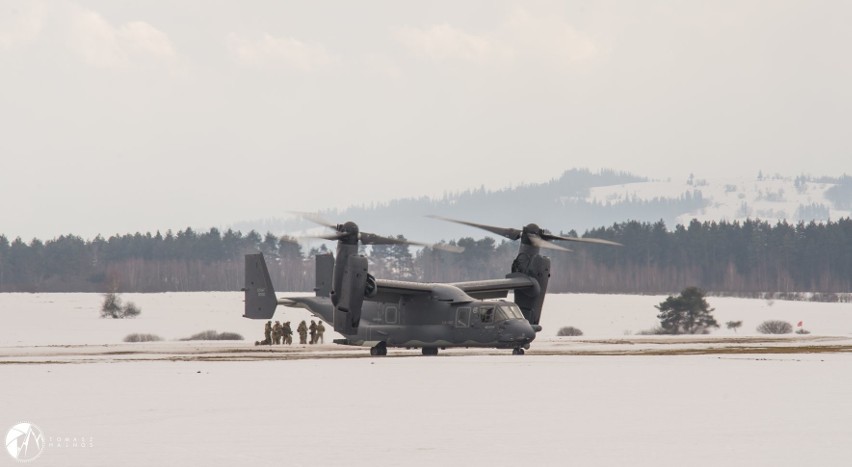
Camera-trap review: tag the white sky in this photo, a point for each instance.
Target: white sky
(123, 116)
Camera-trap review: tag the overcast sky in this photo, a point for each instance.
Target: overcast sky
(121, 116)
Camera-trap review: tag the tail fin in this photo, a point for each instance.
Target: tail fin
(325, 272)
(259, 295)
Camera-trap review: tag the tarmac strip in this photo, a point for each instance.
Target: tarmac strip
(241, 351)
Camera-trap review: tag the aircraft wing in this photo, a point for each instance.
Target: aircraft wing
(390, 290)
(458, 292)
(495, 288)
(403, 287)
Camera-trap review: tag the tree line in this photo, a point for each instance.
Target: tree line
(720, 257)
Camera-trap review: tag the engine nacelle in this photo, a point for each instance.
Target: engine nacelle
(531, 301)
(350, 295)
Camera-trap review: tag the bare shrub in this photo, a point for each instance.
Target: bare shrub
(130, 310)
(775, 327)
(569, 331)
(214, 336)
(229, 336)
(142, 338)
(802, 331)
(113, 308)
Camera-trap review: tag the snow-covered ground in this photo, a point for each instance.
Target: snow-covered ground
(224, 404)
(63, 319)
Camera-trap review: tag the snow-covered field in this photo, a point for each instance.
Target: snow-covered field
(62, 319)
(595, 400)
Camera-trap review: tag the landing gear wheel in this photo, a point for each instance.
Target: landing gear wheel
(430, 351)
(379, 349)
(517, 351)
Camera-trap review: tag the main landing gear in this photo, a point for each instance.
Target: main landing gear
(517, 351)
(380, 349)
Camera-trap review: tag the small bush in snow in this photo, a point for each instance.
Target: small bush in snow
(131, 310)
(569, 331)
(113, 308)
(214, 336)
(802, 331)
(229, 336)
(734, 325)
(142, 338)
(775, 327)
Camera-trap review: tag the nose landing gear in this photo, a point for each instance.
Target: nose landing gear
(518, 351)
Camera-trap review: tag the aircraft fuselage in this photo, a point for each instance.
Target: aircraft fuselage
(424, 322)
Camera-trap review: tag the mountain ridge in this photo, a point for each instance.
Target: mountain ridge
(580, 199)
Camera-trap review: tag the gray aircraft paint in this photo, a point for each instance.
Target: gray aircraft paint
(422, 323)
(446, 318)
(387, 313)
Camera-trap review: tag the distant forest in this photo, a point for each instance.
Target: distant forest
(725, 258)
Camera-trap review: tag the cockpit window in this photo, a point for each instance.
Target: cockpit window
(486, 314)
(462, 317)
(505, 312)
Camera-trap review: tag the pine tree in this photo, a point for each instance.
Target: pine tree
(688, 313)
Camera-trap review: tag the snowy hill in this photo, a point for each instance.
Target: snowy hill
(735, 199)
(581, 200)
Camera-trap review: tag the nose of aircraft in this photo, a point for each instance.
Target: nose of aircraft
(517, 331)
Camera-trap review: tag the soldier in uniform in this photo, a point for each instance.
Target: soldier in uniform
(320, 331)
(267, 333)
(303, 332)
(276, 333)
(313, 328)
(287, 333)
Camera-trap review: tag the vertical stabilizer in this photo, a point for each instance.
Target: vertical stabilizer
(259, 295)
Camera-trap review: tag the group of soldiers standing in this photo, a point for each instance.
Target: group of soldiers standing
(280, 334)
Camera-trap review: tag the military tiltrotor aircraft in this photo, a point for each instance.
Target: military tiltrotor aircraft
(382, 313)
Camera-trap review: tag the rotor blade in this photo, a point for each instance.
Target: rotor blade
(511, 234)
(447, 247)
(333, 236)
(439, 246)
(550, 236)
(373, 239)
(541, 243)
(315, 218)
